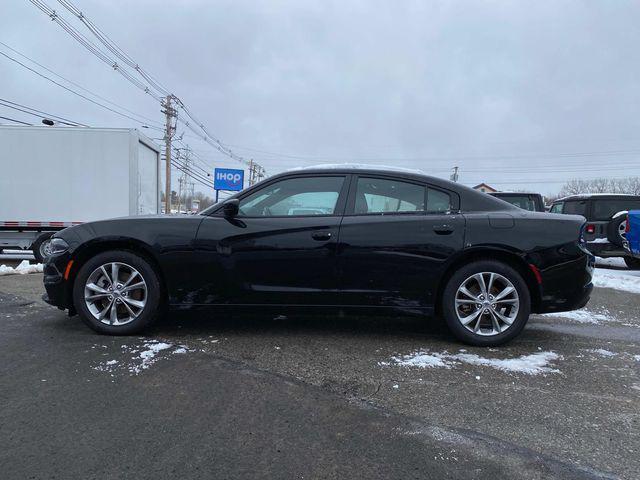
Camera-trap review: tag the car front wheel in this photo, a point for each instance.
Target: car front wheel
(486, 303)
(117, 293)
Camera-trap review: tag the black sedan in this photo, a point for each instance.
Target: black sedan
(342, 238)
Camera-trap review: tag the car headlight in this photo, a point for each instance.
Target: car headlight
(58, 245)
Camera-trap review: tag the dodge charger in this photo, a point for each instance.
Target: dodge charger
(334, 239)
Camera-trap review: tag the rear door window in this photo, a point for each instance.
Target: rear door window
(575, 207)
(382, 196)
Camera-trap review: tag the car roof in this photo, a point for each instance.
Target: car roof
(587, 196)
(514, 193)
(357, 168)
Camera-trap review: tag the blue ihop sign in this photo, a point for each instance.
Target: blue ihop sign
(228, 179)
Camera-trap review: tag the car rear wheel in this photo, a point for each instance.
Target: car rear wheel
(117, 293)
(486, 303)
(632, 263)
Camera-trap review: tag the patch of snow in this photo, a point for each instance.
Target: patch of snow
(599, 240)
(148, 356)
(533, 364)
(143, 356)
(422, 360)
(22, 269)
(529, 364)
(602, 352)
(628, 281)
(611, 262)
(636, 358)
(620, 213)
(582, 316)
(396, 386)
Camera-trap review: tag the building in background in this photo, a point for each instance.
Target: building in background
(483, 187)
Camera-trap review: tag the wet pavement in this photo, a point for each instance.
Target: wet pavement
(562, 400)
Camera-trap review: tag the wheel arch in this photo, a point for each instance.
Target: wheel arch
(510, 258)
(93, 248)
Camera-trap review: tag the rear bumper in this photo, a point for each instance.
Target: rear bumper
(607, 250)
(567, 286)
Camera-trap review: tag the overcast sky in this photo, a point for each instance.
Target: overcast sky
(520, 95)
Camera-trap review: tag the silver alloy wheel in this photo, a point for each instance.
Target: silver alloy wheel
(621, 229)
(115, 293)
(487, 303)
(45, 248)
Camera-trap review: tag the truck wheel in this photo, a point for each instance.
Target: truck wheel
(486, 303)
(632, 263)
(42, 246)
(117, 293)
(615, 230)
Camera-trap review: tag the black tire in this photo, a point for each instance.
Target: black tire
(632, 263)
(448, 306)
(613, 232)
(38, 246)
(153, 302)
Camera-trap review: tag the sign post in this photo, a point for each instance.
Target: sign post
(227, 179)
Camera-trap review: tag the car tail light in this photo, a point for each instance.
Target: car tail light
(591, 229)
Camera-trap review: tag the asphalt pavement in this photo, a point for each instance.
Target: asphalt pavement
(316, 396)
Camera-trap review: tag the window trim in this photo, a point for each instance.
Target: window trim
(351, 200)
(340, 202)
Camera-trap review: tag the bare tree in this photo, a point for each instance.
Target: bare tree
(601, 185)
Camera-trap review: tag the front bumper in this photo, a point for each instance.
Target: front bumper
(56, 287)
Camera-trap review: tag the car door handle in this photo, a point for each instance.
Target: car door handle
(443, 229)
(321, 236)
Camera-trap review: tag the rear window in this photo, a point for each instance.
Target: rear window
(605, 209)
(526, 202)
(575, 207)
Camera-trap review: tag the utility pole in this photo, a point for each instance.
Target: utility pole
(251, 168)
(170, 129)
(454, 174)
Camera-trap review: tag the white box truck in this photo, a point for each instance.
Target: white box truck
(55, 177)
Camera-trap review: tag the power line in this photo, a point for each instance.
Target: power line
(71, 90)
(117, 51)
(39, 113)
(128, 61)
(149, 120)
(16, 121)
(91, 47)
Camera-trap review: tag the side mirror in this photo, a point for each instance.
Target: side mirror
(231, 207)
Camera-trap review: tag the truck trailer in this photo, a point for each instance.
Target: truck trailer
(55, 177)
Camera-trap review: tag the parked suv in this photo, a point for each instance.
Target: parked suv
(606, 216)
(528, 201)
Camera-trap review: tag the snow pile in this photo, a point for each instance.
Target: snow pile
(628, 281)
(533, 364)
(602, 352)
(22, 269)
(582, 316)
(144, 356)
(423, 360)
(615, 262)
